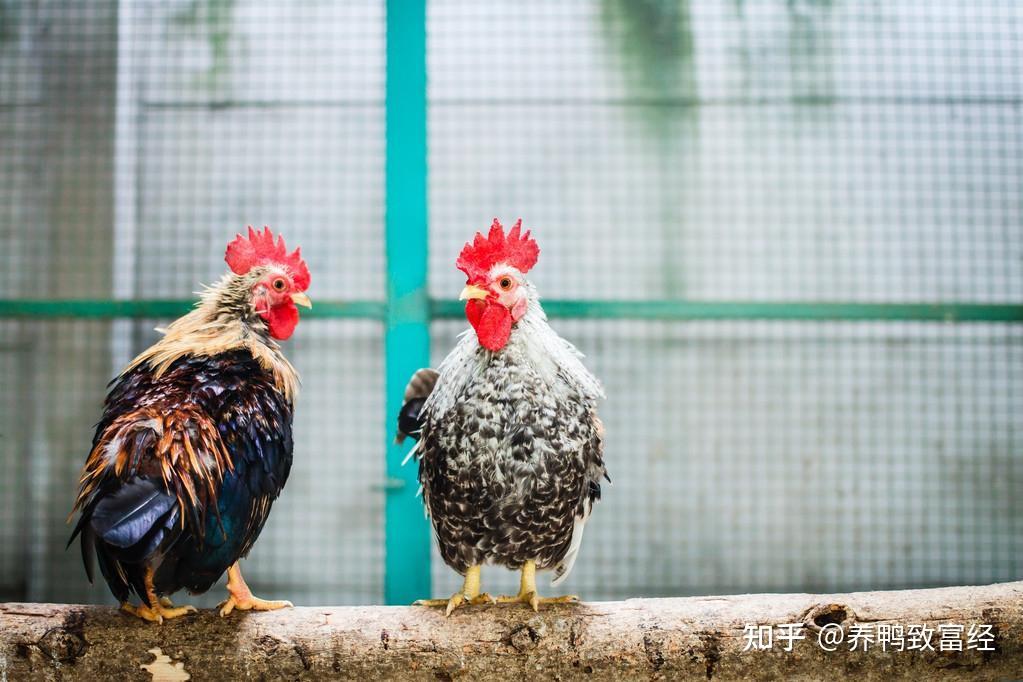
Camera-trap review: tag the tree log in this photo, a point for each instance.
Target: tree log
(697, 637)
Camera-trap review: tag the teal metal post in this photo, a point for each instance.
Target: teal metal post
(407, 543)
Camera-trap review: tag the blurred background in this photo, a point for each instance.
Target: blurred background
(786, 233)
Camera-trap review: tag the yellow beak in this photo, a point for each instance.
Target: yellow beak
(472, 291)
(302, 300)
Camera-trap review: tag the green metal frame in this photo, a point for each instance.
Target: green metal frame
(414, 305)
(408, 310)
(407, 533)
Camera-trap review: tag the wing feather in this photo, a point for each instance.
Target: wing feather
(594, 458)
(151, 444)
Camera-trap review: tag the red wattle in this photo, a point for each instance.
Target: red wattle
(474, 311)
(282, 320)
(492, 323)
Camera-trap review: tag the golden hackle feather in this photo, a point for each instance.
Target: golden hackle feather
(216, 326)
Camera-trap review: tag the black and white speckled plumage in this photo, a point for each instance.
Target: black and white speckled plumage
(511, 451)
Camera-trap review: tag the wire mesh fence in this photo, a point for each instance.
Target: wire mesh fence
(669, 150)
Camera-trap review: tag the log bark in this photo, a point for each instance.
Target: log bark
(698, 637)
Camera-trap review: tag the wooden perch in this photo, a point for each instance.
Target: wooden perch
(698, 637)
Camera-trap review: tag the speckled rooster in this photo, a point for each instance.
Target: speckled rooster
(510, 447)
(195, 440)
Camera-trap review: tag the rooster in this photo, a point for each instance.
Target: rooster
(510, 448)
(195, 440)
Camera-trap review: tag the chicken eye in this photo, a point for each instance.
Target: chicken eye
(505, 283)
(279, 284)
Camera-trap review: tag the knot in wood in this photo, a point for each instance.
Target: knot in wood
(525, 637)
(825, 614)
(62, 645)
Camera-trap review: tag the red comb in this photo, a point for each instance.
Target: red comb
(260, 248)
(518, 251)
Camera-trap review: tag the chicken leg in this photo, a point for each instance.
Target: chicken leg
(159, 608)
(469, 594)
(527, 591)
(241, 596)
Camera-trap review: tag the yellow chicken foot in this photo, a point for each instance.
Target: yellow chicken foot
(527, 591)
(241, 596)
(159, 608)
(469, 594)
